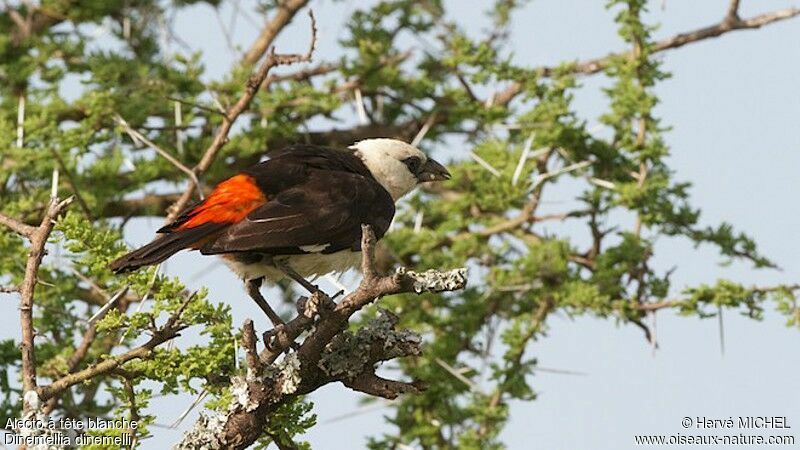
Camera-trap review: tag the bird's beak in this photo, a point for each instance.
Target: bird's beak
(432, 171)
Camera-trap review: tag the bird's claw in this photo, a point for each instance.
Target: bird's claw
(271, 339)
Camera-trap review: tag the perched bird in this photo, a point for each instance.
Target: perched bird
(297, 214)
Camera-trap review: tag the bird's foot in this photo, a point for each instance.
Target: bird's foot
(253, 290)
(276, 338)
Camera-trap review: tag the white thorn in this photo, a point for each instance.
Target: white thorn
(538, 152)
(541, 178)
(490, 101)
(54, 185)
(109, 304)
(458, 375)
(236, 354)
(21, 121)
(522, 158)
(418, 221)
(362, 111)
(178, 125)
(424, 130)
(603, 183)
(484, 164)
(186, 412)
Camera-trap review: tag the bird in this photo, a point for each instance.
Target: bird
(297, 214)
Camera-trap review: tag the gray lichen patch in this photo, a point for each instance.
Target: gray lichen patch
(242, 398)
(290, 372)
(347, 354)
(287, 372)
(435, 280)
(206, 432)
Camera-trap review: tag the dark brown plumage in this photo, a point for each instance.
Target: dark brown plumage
(304, 199)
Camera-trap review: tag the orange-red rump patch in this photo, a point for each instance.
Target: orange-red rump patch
(231, 201)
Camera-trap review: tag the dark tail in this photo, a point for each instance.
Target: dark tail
(164, 247)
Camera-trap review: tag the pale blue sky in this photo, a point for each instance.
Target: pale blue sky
(734, 103)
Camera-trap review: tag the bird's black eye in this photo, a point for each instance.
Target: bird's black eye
(413, 163)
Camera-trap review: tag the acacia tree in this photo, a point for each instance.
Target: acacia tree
(144, 136)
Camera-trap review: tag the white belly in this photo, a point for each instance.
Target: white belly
(309, 266)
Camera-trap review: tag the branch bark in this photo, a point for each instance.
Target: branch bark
(286, 12)
(17, 226)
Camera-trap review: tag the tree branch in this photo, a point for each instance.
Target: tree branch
(16, 226)
(286, 12)
(727, 25)
(671, 303)
(38, 239)
(9, 289)
(372, 384)
(733, 12)
(168, 331)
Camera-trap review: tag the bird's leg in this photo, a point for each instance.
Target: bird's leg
(253, 290)
(289, 272)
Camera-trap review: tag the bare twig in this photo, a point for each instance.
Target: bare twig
(134, 409)
(732, 16)
(17, 226)
(674, 303)
(286, 12)
(86, 342)
(21, 120)
(304, 74)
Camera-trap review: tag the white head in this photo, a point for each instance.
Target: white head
(397, 166)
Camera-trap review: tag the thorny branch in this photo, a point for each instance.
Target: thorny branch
(89, 336)
(731, 22)
(38, 237)
(673, 303)
(170, 330)
(329, 353)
